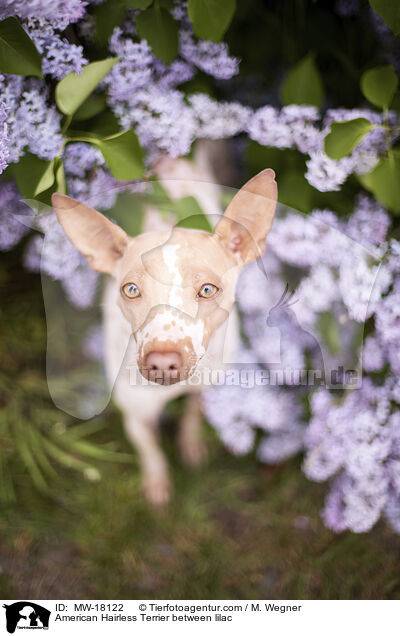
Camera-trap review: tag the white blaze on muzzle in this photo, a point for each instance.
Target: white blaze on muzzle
(170, 258)
(169, 324)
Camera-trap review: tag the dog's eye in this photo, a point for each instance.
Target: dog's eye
(130, 290)
(208, 290)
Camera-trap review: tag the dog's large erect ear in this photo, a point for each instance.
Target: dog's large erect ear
(100, 241)
(248, 218)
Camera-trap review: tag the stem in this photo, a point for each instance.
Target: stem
(66, 124)
(87, 140)
(62, 148)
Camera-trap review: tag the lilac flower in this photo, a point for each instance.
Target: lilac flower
(59, 258)
(88, 177)
(164, 122)
(54, 255)
(369, 223)
(355, 442)
(236, 412)
(373, 354)
(349, 439)
(392, 510)
(299, 127)
(59, 57)
(362, 284)
(301, 240)
(142, 96)
(11, 206)
(281, 446)
(291, 127)
(3, 138)
(388, 316)
(93, 346)
(32, 253)
(59, 12)
(347, 8)
(30, 121)
(81, 285)
(218, 120)
(333, 513)
(174, 74)
(267, 129)
(325, 174)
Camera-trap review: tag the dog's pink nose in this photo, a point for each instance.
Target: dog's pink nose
(163, 368)
(167, 361)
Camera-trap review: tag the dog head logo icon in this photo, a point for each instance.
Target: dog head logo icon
(26, 615)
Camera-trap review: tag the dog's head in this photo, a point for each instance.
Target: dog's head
(176, 287)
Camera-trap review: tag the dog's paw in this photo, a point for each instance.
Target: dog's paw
(157, 489)
(194, 451)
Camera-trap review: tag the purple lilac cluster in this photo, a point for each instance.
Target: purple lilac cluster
(300, 127)
(3, 138)
(355, 442)
(59, 57)
(59, 12)
(143, 92)
(213, 59)
(12, 211)
(350, 272)
(54, 255)
(88, 178)
(142, 96)
(31, 123)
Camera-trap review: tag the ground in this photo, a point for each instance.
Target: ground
(235, 528)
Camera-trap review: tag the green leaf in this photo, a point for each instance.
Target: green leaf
(123, 154)
(384, 182)
(261, 157)
(105, 124)
(94, 105)
(46, 180)
(128, 212)
(18, 54)
(191, 215)
(395, 105)
(345, 135)
(389, 10)
(328, 328)
(60, 177)
(379, 85)
(157, 26)
(138, 4)
(295, 191)
(211, 18)
(303, 84)
(107, 16)
(73, 89)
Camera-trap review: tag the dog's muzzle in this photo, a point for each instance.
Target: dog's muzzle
(163, 367)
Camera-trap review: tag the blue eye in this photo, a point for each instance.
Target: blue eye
(130, 290)
(208, 290)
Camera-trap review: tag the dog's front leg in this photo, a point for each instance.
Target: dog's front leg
(192, 446)
(156, 482)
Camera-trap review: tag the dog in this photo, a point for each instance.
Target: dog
(166, 304)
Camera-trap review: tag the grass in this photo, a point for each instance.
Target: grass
(235, 528)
